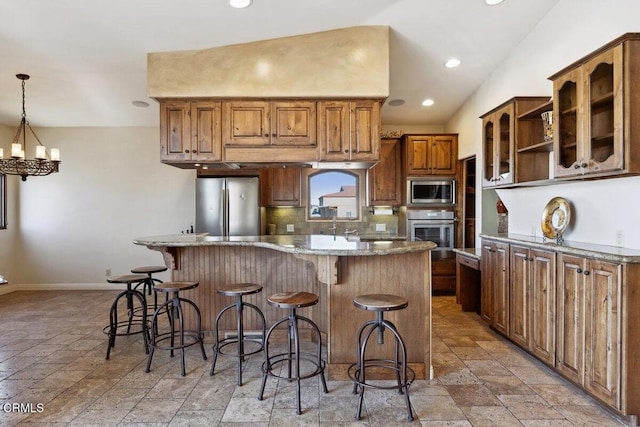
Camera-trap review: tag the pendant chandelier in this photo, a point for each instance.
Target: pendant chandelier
(42, 164)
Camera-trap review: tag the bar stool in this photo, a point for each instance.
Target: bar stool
(117, 327)
(293, 301)
(176, 319)
(357, 371)
(237, 291)
(149, 284)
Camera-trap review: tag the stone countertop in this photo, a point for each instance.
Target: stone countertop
(470, 252)
(317, 244)
(609, 253)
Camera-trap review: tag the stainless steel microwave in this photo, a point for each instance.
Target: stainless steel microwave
(431, 191)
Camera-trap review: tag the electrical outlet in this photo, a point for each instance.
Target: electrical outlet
(620, 238)
(107, 272)
(290, 228)
(381, 227)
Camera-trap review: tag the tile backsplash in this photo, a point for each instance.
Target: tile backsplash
(278, 218)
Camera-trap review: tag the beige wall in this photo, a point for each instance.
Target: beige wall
(111, 188)
(568, 32)
(8, 237)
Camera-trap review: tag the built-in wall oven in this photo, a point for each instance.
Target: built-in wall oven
(437, 226)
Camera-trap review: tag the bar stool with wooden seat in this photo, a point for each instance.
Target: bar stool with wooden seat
(117, 327)
(174, 306)
(149, 284)
(238, 291)
(293, 301)
(357, 371)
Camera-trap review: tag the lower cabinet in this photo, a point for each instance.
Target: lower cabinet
(580, 314)
(532, 303)
(590, 325)
(494, 307)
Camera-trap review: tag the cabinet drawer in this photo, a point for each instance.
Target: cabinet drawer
(445, 267)
(467, 261)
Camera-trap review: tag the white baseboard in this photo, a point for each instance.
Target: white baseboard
(5, 289)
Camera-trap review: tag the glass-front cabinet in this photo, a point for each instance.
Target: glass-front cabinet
(498, 144)
(588, 108)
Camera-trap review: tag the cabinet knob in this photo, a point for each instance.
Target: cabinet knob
(579, 270)
(577, 166)
(586, 272)
(273, 135)
(584, 165)
(266, 135)
(186, 151)
(530, 259)
(346, 151)
(194, 151)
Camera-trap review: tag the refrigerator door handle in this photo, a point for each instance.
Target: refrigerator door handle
(225, 212)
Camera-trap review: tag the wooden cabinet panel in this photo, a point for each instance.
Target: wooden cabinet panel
(431, 154)
(247, 123)
(494, 306)
(206, 118)
(520, 284)
(603, 330)
(589, 325)
(293, 123)
(349, 130)
(283, 186)
(570, 354)
(385, 178)
(542, 296)
(175, 131)
(498, 146)
(190, 131)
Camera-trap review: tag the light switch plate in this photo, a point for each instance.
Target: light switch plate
(381, 227)
(290, 228)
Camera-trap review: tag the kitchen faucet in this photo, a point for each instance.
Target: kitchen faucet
(334, 222)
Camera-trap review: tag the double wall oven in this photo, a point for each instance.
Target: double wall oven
(431, 213)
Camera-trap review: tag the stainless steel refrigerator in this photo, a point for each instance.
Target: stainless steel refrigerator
(228, 206)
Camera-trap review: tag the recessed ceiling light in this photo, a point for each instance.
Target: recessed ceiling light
(141, 104)
(396, 102)
(427, 102)
(452, 63)
(239, 4)
(493, 2)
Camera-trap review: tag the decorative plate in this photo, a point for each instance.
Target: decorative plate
(555, 217)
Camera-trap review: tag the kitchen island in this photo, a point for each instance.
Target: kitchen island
(334, 268)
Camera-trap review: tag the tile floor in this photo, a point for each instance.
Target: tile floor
(52, 353)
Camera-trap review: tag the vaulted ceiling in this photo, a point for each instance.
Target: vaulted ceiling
(87, 58)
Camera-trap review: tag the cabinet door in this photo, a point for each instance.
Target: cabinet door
(603, 112)
(542, 300)
(365, 130)
(283, 186)
(385, 178)
(501, 288)
(567, 135)
(520, 283)
(504, 150)
(206, 120)
(603, 334)
(246, 123)
(293, 123)
(333, 130)
(418, 147)
(570, 318)
(443, 156)
(486, 282)
(488, 149)
(175, 131)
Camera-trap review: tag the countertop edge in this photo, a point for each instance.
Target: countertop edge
(610, 253)
(295, 244)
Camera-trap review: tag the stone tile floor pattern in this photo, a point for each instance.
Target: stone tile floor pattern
(52, 353)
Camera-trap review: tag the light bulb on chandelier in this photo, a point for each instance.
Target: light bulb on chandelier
(18, 164)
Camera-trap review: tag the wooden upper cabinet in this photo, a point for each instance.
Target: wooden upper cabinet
(498, 146)
(349, 130)
(385, 178)
(595, 107)
(431, 154)
(282, 186)
(264, 123)
(190, 131)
